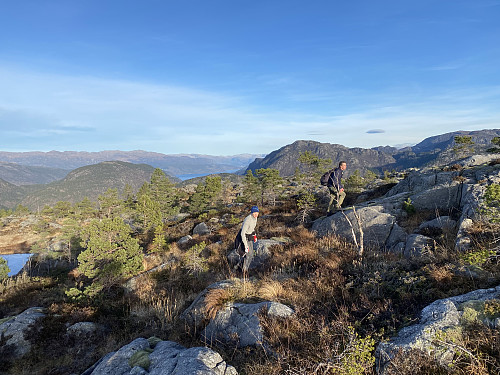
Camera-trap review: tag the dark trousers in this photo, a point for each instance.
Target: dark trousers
(240, 248)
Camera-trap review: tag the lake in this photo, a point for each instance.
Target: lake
(16, 262)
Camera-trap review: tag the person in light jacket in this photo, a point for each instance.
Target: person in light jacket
(246, 237)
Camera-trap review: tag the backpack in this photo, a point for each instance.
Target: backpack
(324, 179)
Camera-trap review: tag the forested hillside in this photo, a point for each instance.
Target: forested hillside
(18, 174)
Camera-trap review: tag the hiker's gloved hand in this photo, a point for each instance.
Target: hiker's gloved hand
(254, 238)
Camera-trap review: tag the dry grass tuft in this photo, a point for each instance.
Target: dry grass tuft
(271, 290)
(440, 273)
(216, 299)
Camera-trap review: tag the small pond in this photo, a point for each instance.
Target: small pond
(16, 262)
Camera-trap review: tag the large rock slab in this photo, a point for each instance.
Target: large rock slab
(14, 328)
(442, 317)
(235, 323)
(431, 190)
(379, 227)
(238, 323)
(157, 357)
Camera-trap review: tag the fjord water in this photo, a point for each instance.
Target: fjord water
(16, 262)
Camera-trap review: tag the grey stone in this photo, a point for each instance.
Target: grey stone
(82, 329)
(239, 323)
(201, 229)
(430, 190)
(477, 160)
(442, 222)
(179, 216)
(118, 362)
(376, 223)
(184, 240)
(496, 323)
(462, 242)
(417, 245)
(165, 358)
(194, 315)
(396, 236)
(440, 316)
(13, 330)
(398, 248)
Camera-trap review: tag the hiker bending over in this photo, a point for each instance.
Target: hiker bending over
(245, 238)
(337, 193)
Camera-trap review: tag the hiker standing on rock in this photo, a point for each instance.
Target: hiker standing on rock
(337, 193)
(245, 238)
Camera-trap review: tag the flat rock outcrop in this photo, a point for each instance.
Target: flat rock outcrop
(238, 323)
(379, 227)
(234, 323)
(157, 357)
(13, 330)
(443, 317)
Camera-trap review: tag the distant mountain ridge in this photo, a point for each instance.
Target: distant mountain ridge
(431, 151)
(286, 158)
(173, 164)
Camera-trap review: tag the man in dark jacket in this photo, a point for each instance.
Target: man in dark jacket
(337, 193)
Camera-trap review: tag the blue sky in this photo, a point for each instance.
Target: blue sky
(225, 77)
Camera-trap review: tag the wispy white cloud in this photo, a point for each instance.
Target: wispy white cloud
(44, 112)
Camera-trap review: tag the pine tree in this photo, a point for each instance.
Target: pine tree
(270, 182)
(305, 204)
(314, 165)
(496, 142)
(110, 254)
(148, 208)
(463, 145)
(62, 209)
(206, 195)
(355, 182)
(85, 209)
(251, 188)
(4, 269)
(163, 191)
(71, 234)
(110, 204)
(128, 197)
(159, 240)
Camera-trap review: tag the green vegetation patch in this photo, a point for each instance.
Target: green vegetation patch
(479, 311)
(141, 359)
(153, 341)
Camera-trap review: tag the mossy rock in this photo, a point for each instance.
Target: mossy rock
(472, 304)
(153, 341)
(3, 320)
(141, 359)
(470, 315)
